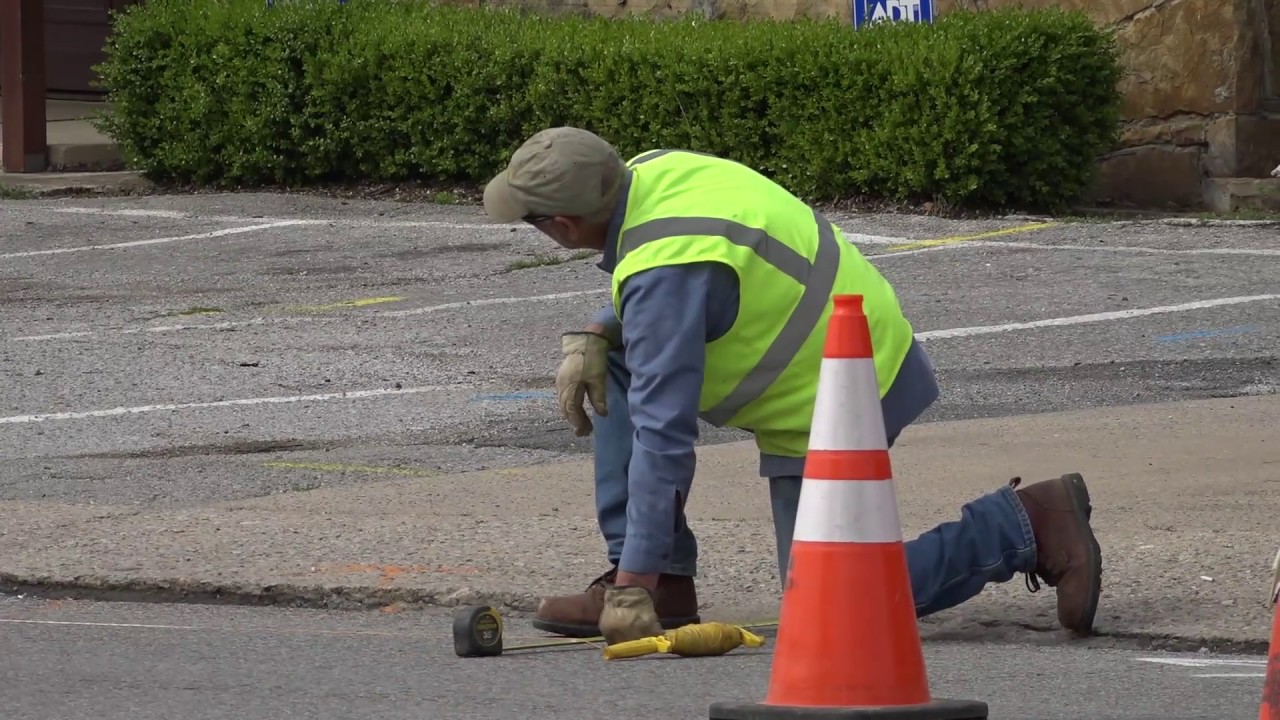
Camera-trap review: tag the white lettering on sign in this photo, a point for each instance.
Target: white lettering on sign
(897, 11)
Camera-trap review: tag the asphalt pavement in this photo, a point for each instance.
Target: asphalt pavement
(420, 319)
(264, 391)
(96, 661)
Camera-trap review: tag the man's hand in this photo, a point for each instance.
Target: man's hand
(628, 615)
(581, 375)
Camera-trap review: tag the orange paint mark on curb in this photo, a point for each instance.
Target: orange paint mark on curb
(387, 574)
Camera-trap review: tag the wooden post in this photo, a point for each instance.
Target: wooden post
(22, 86)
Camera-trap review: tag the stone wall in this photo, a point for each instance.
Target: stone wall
(1198, 87)
(1202, 88)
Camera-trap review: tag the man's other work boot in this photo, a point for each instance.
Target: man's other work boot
(1068, 557)
(676, 602)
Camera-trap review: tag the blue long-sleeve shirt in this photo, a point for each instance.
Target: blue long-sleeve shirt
(671, 313)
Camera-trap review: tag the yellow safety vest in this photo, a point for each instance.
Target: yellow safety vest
(762, 375)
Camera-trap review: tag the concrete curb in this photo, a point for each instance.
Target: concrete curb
(85, 157)
(316, 596)
(358, 598)
(55, 184)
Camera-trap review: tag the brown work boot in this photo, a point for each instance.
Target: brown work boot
(675, 600)
(1068, 557)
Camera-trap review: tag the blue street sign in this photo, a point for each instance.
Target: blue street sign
(869, 11)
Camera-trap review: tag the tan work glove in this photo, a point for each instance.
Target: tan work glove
(628, 615)
(582, 374)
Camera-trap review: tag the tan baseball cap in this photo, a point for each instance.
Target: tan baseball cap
(558, 171)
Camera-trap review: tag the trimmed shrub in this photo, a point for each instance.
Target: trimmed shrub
(995, 109)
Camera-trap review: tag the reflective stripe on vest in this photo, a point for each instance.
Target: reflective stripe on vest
(655, 154)
(818, 279)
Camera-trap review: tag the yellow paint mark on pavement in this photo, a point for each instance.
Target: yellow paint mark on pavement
(965, 238)
(358, 302)
(341, 467)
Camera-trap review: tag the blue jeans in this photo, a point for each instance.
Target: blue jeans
(990, 543)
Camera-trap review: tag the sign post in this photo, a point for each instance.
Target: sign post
(869, 11)
(22, 86)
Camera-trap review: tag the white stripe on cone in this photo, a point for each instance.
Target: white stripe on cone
(848, 511)
(844, 415)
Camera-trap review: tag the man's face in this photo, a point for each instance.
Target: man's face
(568, 232)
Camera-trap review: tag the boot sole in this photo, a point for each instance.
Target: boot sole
(579, 630)
(1078, 492)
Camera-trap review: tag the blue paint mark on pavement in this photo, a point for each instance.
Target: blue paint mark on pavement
(515, 396)
(1199, 334)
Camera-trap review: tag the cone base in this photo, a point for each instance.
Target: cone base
(938, 709)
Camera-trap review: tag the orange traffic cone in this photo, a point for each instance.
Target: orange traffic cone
(1270, 707)
(848, 645)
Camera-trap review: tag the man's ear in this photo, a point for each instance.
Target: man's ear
(568, 229)
(568, 225)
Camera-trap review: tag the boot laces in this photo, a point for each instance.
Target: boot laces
(1031, 581)
(608, 577)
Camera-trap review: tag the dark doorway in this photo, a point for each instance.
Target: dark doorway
(75, 33)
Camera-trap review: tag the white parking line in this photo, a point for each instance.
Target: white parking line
(206, 628)
(351, 395)
(1224, 663)
(1091, 318)
(358, 394)
(70, 623)
(923, 336)
(1195, 662)
(861, 239)
(905, 253)
(151, 329)
(158, 241)
(353, 221)
(138, 212)
(857, 238)
(854, 237)
(228, 324)
(1136, 249)
(491, 301)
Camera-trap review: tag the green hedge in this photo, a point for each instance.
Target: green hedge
(992, 109)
